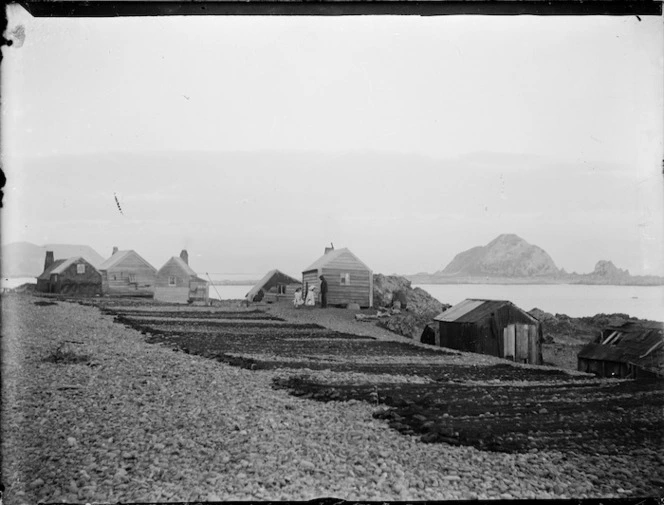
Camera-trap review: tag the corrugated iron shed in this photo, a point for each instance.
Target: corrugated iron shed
(638, 348)
(474, 310)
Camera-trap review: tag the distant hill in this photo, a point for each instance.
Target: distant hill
(509, 259)
(24, 259)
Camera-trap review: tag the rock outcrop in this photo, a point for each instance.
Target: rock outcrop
(417, 307)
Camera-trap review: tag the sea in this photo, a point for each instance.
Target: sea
(575, 300)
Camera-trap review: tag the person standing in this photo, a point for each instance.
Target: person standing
(311, 297)
(323, 292)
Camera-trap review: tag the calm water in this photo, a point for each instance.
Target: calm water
(645, 302)
(14, 282)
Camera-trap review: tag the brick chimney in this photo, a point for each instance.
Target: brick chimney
(115, 249)
(48, 261)
(185, 256)
(329, 249)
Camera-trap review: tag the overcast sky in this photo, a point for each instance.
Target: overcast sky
(255, 141)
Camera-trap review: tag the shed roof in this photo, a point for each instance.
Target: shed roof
(119, 256)
(473, 310)
(270, 279)
(333, 255)
(643, 348)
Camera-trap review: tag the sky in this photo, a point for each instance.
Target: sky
(255, 141)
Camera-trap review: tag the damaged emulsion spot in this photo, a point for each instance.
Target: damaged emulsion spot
(117, 202)
(16, 37)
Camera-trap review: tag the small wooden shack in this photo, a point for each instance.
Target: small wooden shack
(71, 276)
(495, 327)
(126, 273)
(632, 350)
(276, 286)
(349, 280)
(178, 283)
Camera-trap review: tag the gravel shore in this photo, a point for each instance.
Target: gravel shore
(137, 422)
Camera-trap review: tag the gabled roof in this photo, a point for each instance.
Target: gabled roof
(46, 274)
(181, 264)
(331, 256)
(472, 310)
(118, 257)
(270, 279)
(59, 266)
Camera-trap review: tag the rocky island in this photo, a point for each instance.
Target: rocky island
(509, 259)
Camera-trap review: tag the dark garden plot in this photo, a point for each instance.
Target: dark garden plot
(291, 334)
(270, 343)
(595, 420)
(228, 325)
(197, 314)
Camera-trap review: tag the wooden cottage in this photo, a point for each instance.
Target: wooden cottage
(631, 350)
(177, 282)
(495, 327)
(349, 280)
(71, 276)
(126, 273)
(276, 286)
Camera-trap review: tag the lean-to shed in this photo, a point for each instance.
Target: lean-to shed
(126, 273)
(349, 280)
(495, 327)
(72, 276)
(627, 351)
(276, 286)
(178, 283)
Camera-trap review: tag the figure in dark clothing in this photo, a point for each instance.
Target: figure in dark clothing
(323, 292)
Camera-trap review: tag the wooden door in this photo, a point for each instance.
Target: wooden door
(509, 342)
(533, 347)
(521, 353)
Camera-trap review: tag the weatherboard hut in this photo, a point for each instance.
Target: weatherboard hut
(126, 273)
(275, 286)
(178, 283)
(495, 327)
(349, 280)
(630, 350)
(72, 276)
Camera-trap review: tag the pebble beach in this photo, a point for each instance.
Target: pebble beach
(137, 422)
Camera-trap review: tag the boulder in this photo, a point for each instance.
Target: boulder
(417, 308)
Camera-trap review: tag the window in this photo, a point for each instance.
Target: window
(132, 277)
(344, 279)
(80, 268)
(172, 281)
(281, 289)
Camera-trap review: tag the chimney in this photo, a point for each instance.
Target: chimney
(328, 249)
(115, 249)
(185, 256)
(49, 259)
